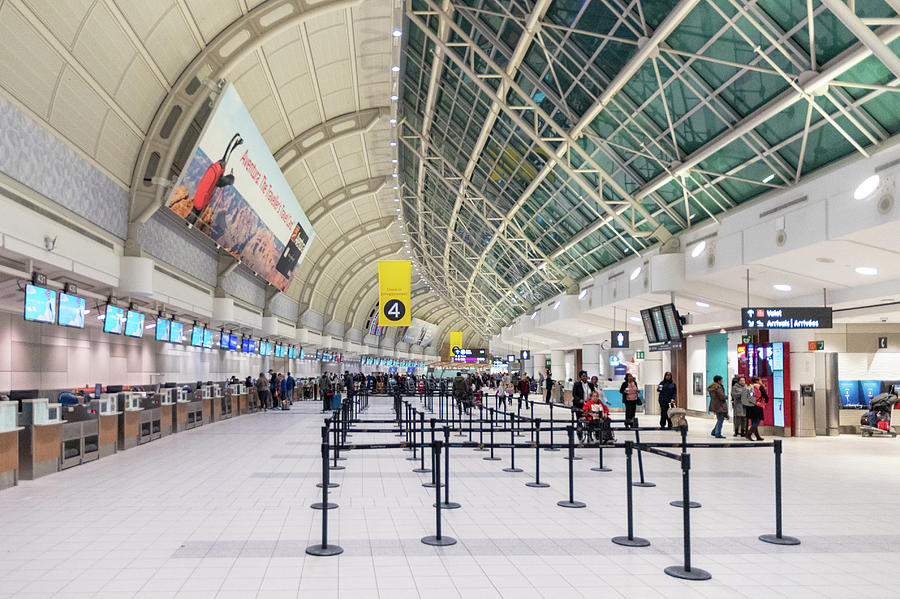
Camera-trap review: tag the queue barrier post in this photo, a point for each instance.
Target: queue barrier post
(481, 446)
(686, 571)
(571, 501)
(470, 424)
(433, 481)
(512, 446)
(335, 427)
(491, 457)
(536, 483)
(601, 467)
(574, 423)
(637, 440)
(323, 549)
(412, 436)
(447, 504)
(550, 447)
(331, 485)
(437, 540)
(325, 505)
(778, 538)
(683, 431)
(630, 540)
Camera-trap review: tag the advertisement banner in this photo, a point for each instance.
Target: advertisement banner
(232, 190)
(850, 396)
(394, 293)
(869, 390)
(455, 342)
(420, 332)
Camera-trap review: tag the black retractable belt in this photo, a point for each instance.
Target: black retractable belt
(412, 435)
(630, 540)
(637, 440)
(550, 447)
(685, 571)
(536, 483)
(437, 540)
(323, 549)
(778, 538)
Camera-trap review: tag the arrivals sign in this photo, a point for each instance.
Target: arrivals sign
(786, 318)
(394, 293)
(232, 190)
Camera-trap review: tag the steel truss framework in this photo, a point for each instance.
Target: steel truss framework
(544, 141)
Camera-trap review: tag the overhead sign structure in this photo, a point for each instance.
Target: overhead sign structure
(232, 190)
(525, 354)
(619, 340)
(455, 341)
(510, 358)
(465, 354)
(786, 318)
(394, 293)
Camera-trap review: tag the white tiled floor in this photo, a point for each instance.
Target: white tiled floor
(223, 511)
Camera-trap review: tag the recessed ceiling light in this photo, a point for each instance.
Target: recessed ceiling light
(392, 144)
(866, 271)
(636, 273)
(533, 314)
(769, 178)
(702, 305)
(393, 121)
(634, 318)
(393, 161)
(556, 305)
(582, 294)
(698, 249)
(394, 175)
(396, 199)
(397, 33)
(782, 287)
(394, 97)
(867, 187)
(395, 68)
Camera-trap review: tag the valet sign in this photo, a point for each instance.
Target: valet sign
(786, 318)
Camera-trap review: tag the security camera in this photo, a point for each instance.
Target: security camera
(49, 243)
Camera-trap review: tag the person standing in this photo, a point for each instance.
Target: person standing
(581, 392)
(460, 390)
(549, 386)
(501, 397)
(524, 389)
(759, 397)
(262, 391)
(667, 392)
(291, 384)
(739, 398)
(327, 391)
(718, 405)
(630, 397)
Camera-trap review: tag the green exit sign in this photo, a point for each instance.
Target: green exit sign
(639, 355)
(820, 345)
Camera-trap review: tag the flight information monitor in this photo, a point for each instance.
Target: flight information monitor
(162, 329)
(176, 332)
(71, 311)
(40, 304)
(134, 324)
(113, 320)
(197, 337)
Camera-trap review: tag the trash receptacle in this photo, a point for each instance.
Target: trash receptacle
(651, 405)
(804, 411)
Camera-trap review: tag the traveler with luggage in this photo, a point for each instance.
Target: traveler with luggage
(718, 405)
(667, 392)
(327, 391)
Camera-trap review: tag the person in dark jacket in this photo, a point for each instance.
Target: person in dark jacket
(549, 385)
(262, 391)
(718, 405)
(667, 392)
(581, 391)
(291, 384)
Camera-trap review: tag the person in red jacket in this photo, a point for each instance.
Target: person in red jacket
(524, 388)
(589, 413)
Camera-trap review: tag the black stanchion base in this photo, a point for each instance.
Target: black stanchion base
(482, 449)
(412, 459)
(782, 540)
(551, 449)
(537, 485)
(692, 574)
(330, 485)
(336, 468)
(599, 469)
(520, 434)
(577, 457)
(340, 459)
(407, 449)
(448, 505)
(318, 505)
(490, 459)
(571, 504)
(632, 542)
(431, 485)
(436, 542)
(421, 470)
(512, 470)
(680, 503)
(640, 484)
(324, 550)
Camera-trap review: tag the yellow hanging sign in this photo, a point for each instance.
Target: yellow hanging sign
(394, 293)
(455, 343)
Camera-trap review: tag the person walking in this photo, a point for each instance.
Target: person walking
(760, 397)
(667, 392)
(738, 390)
(501, 397)
(630, 397)
(460, 390)
(718, 405)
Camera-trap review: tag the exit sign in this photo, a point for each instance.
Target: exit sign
(639, 355)
(816, 345)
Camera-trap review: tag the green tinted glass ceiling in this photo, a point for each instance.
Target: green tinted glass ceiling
(511, 216)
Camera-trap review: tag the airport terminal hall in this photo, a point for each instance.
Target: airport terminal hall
(449, 299)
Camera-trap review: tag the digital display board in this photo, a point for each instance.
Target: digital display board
(248, 346)
(232, 343)
(672, 320)
(113, 320)
(207, 338)
(224, 338)
(197, 337)
(649, 329)
(659, 324)
(40, 304)
(134, 324)
(176, 332)
(786, 318)
(465, 354)
(162, 329)
(71, 311)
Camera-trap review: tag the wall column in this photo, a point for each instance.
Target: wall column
(558, 364)
(590, 360)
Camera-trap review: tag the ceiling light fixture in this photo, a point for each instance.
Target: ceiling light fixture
(867, 187)
(392, 144)
(698, 249)
(556, 305)
(394, 97)
(866, 271)
(582, 294)
(396, 199)
(782, 287)
(702, 305)
(636, 273)
(395, 68)
(393, 121)
(533, 314)
(769, 178)
(397, 33)
(634, 318)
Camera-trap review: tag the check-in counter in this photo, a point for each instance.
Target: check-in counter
(129, 420)
(151, 418)
(80, 436)
(179, 409)
(224, 402)
(238, 394)
(9, 444)
(166, 413)
(107, 413)
(252, 400)
(195, 410)
(40, 440)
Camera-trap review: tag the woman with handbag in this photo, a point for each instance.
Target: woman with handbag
(630, 397)
(755, 411)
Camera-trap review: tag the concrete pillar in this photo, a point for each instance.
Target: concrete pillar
(558, 364)
(570, 365)
(590, 359)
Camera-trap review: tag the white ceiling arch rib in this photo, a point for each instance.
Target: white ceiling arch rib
(347, 194)
(352, 272)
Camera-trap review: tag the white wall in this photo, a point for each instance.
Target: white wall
(696, 362)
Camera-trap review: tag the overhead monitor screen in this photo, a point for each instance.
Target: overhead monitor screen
(207, 338)
(113, 320)
(232, 343)
(134, 324)
(248, 346)
(71, 311)
(223, 340)
(40, 304)
(232, 190)
(162, 329)
(176, 332)
(649, 329)
(673, 321)
(659, 324)
(197, 336)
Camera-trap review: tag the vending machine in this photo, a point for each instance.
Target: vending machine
(771, 362)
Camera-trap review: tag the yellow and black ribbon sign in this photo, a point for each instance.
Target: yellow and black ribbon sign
(455, 342)
(394, 293)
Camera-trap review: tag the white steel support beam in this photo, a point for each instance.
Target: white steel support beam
(868, 37)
